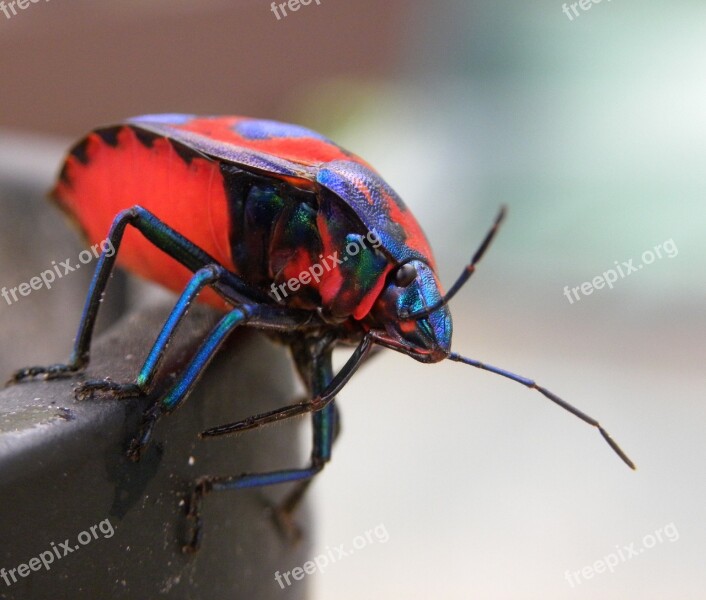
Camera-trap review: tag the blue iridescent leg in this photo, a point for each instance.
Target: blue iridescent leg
(178, 392)
(202, 278)
(262, 316)
(166, 239)
(325, 428)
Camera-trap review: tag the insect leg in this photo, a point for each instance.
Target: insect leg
(171, 400)
(324, 426)
(165, 238)
(319, 402)
(202, 278)
(254, 314)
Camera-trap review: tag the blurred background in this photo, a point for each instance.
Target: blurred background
(590, 125)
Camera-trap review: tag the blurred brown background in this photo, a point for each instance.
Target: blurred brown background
(67, 66)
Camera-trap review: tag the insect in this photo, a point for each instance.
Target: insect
(281, 229)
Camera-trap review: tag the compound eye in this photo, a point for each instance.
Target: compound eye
(405, 275)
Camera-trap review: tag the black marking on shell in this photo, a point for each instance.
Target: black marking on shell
(64, 174)
(184, 152)
(109, 135)
(146, 138)
(80, 151)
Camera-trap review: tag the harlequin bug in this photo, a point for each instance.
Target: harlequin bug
(240, 212)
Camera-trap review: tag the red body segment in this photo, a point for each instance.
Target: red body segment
(189, 172)
(188, 197)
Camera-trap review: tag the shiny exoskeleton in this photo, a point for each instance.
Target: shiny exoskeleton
(284, 231)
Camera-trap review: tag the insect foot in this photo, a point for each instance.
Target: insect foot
(193, 515)
(140, 443)
(45, 373)
(105, 389)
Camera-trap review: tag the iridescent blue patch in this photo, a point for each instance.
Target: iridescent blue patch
(261, 129)
(167, 119)
(356, 185)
